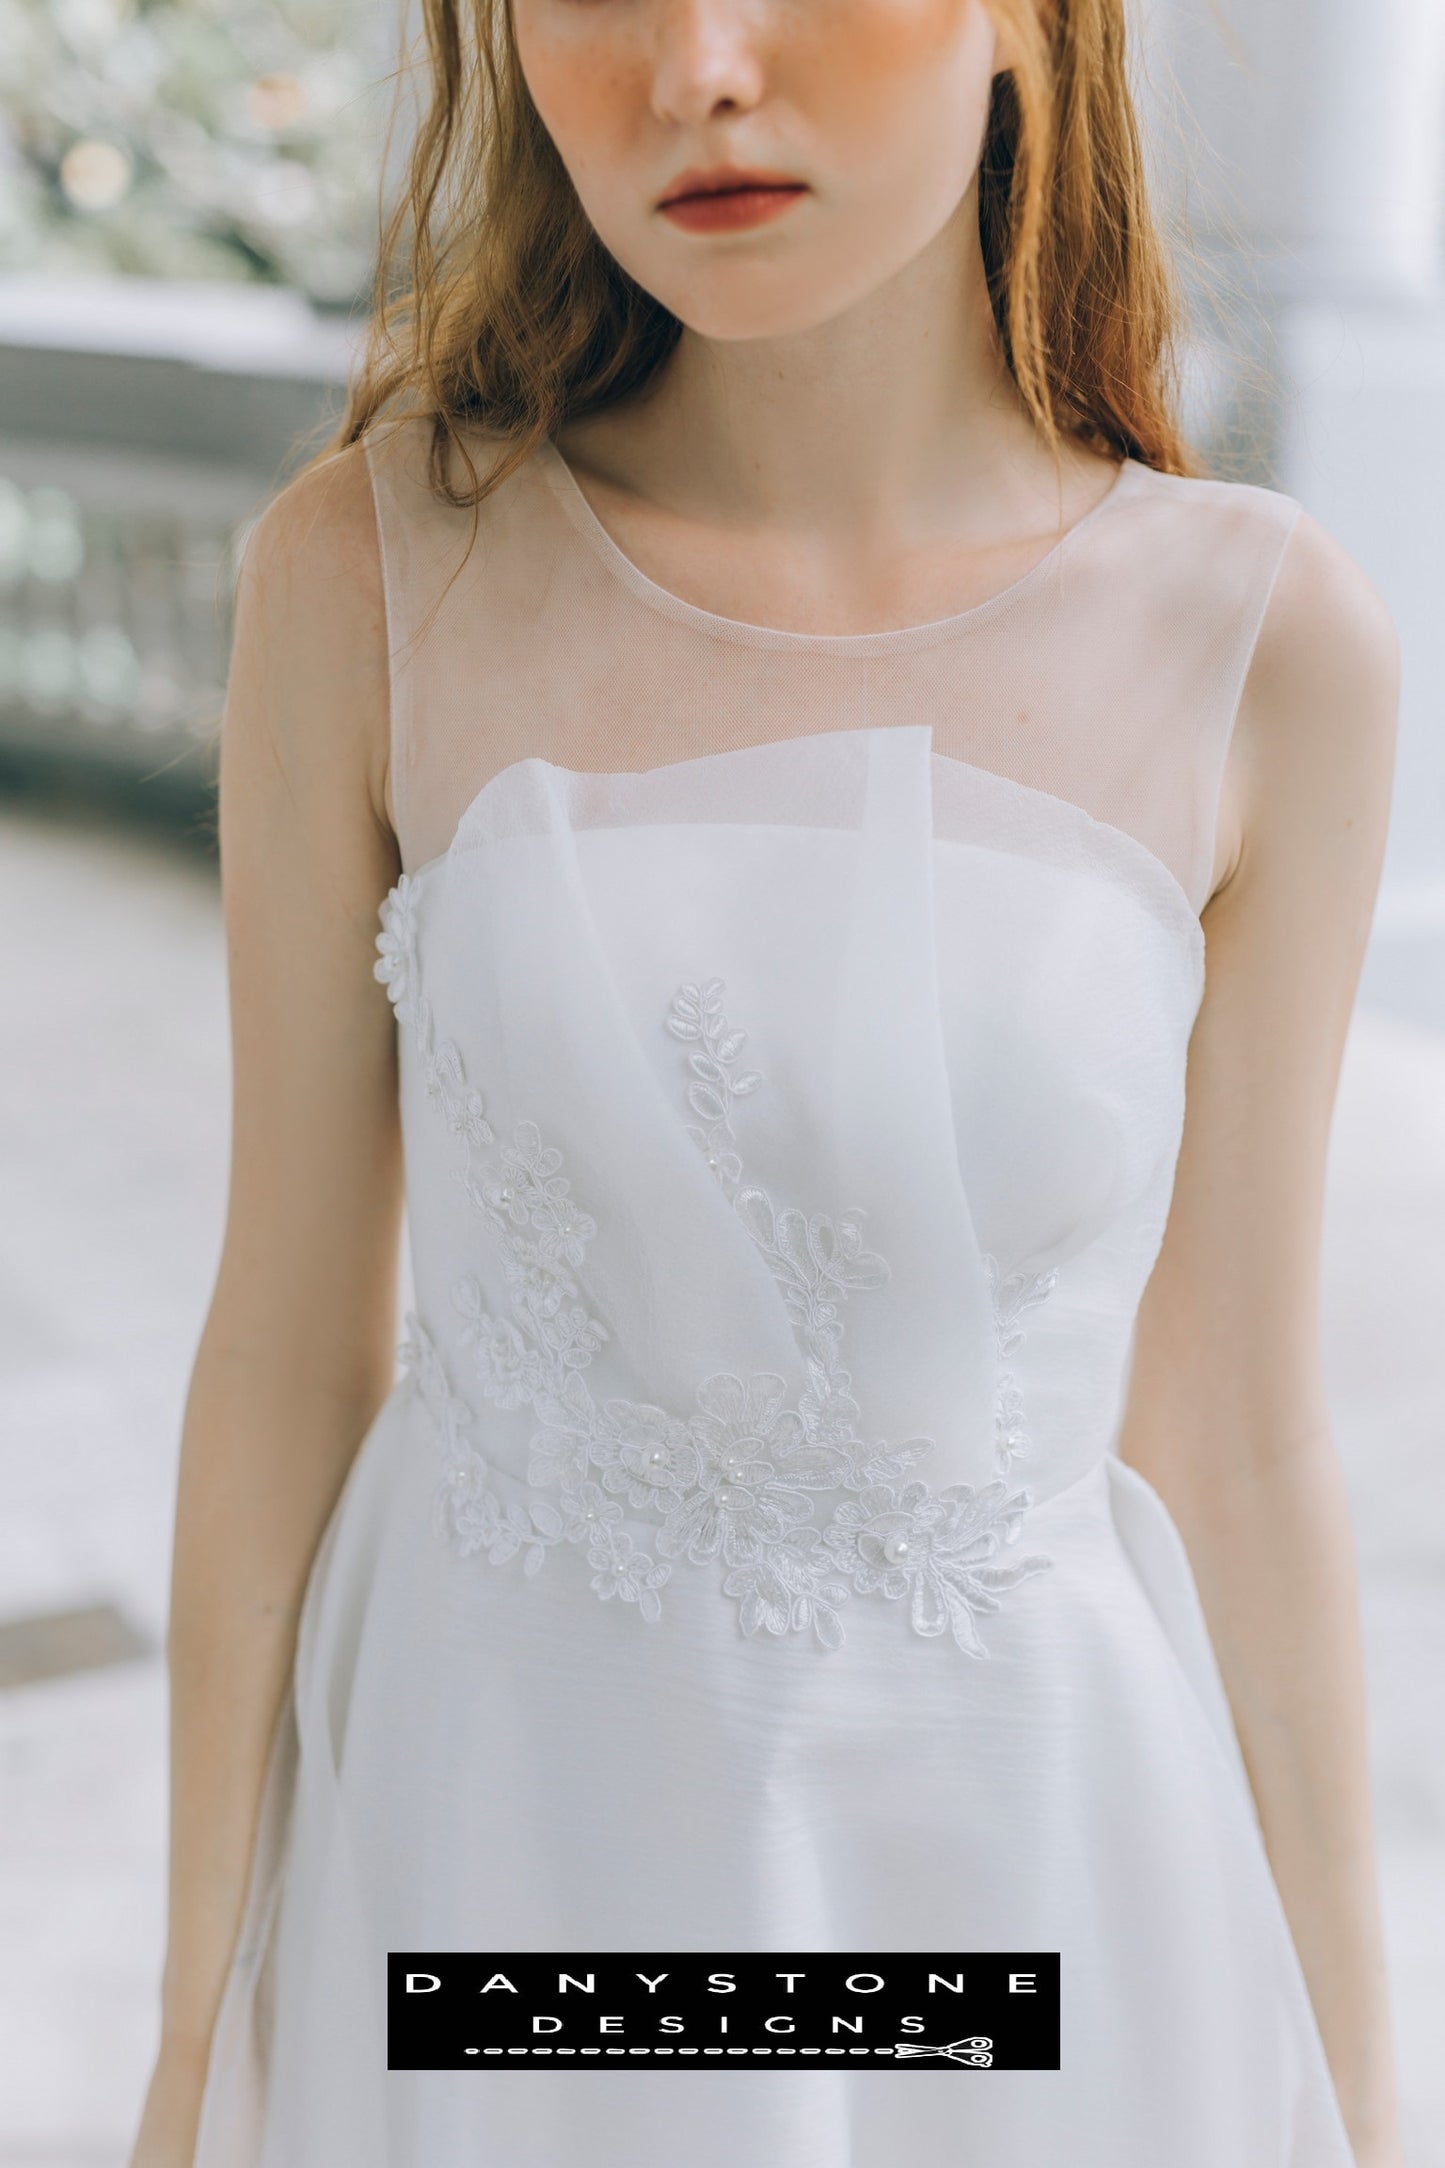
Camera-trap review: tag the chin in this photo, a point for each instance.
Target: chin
(727, 307)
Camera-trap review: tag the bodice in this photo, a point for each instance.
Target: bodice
(789, 1135)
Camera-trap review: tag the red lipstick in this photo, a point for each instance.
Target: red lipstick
(727, 199)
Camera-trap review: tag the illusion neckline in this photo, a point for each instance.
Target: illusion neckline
(891, 640)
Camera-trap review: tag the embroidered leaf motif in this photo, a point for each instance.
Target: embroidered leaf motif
(1012, 1294)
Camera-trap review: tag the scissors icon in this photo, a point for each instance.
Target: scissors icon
(976, 2050)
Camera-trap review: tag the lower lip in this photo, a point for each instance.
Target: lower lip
(732, 210)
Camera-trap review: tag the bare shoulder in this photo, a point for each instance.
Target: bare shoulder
(319, 532)
(1315, 736)
(1326, 665)
(310, 642)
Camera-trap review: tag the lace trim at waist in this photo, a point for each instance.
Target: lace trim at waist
(637, 1496)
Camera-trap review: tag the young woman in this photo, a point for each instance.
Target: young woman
(831, 772)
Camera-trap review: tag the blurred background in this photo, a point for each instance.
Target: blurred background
(188, 199)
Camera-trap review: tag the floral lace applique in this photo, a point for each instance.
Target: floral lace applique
(395, 965)
(734, 1479)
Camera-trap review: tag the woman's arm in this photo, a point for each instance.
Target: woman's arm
(298, 1345)
(1226, 1415)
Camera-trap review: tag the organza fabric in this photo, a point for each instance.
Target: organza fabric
(792, 1036)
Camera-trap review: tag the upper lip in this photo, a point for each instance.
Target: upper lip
(719, 180)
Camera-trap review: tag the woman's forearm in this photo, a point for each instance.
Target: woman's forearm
(1273, 1555)
(265, 1448)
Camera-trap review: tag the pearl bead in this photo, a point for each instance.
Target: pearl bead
(895, 1549)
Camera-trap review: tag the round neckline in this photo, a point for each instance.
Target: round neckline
(576, 504)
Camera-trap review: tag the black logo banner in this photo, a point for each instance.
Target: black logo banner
(498, 2010)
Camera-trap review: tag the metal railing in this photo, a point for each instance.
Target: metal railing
(133, 454)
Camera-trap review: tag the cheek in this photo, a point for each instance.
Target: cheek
(900, 92)
(868, 58)
(589, 90)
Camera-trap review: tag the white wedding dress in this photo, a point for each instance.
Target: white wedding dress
(792, 1057)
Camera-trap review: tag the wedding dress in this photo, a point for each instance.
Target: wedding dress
(792, 1037)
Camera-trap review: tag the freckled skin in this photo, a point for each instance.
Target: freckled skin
(878, 105)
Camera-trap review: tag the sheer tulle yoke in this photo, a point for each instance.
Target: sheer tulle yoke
(792, 1040)
(1108, 676)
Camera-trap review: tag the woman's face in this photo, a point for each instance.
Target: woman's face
(867, 115)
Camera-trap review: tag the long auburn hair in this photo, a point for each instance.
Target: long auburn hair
(498, 307)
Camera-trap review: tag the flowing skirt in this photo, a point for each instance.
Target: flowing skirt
(475, 1759)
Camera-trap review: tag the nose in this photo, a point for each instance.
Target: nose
(706, 60)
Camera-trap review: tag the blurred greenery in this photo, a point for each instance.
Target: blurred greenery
(194, 139)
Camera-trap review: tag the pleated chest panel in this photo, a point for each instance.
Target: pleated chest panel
(786, 1122)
